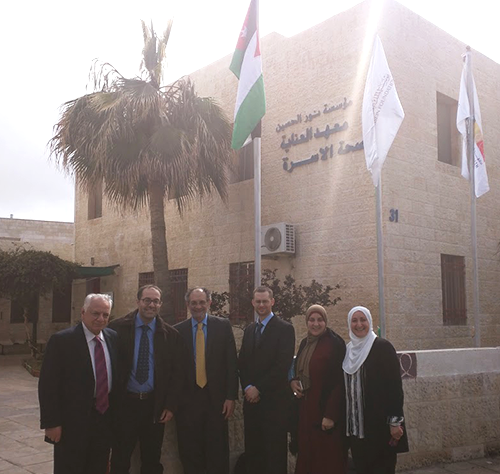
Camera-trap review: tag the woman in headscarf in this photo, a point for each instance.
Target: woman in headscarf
(319, 387)
(374, 398)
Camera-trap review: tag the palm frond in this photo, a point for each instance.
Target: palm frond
(134, 135)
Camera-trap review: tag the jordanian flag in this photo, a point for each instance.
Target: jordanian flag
(247, 67)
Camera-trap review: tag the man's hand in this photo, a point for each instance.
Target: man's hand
(327, 424)
(295, 385)
(396, 432)
(54, 433)
(252, 395)
(166, 415)
(228, 409)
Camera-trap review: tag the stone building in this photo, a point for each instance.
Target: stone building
(54, 313)
(314, 177)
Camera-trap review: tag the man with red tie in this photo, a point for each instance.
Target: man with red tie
(74, 391)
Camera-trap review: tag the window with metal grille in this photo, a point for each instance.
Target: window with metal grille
(242, 167)
(449, 147)
(61, 305)
(241, 285)
(179, 281)
(146, 278)
(95, 201)
(453, 287)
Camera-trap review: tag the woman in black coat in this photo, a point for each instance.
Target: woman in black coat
(374, 398)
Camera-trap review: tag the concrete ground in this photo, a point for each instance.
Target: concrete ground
(23, 451)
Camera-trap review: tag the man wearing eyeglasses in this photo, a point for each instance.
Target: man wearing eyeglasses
(211, 388)
(149, 382)
(74, 390)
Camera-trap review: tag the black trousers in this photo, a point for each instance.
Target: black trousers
(135, 422)
(84, 451)
(202, 434)
(265, 437)
(372, 457)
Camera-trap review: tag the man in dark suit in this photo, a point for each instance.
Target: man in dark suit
(265, 357)
(77, 375)
(149, 382)
(211, 387)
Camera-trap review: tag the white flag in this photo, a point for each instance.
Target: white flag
(382, 112)
(463, 113)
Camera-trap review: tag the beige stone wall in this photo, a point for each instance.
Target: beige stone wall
(331, 202)
(55, 237)
(452, 406)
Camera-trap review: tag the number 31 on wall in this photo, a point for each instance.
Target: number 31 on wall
(393, 215)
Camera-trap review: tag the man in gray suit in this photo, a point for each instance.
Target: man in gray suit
(211, 387)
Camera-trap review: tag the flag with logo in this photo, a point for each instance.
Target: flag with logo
(382, 112)
(247, 67)
(464, 113)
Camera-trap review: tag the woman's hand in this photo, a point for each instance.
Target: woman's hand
(396, 432)
(295, 386)
(326, 424)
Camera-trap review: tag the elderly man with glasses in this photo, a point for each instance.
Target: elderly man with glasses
(75, 391)
(149, 382)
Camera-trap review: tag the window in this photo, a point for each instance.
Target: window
(93, 285)
(95, 201)
(17, 311)
(146, 278)
(453, 287)
(61, 305)
(241, 285)
(242, 165)
(179, 280)
(449, 148)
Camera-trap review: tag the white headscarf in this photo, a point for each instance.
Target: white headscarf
(358, 349)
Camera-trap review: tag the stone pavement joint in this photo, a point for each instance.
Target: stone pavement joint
(23, 451)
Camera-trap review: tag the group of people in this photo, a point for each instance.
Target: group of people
(104, 388)
(347, 397)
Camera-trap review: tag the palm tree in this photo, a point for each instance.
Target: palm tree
(145, 142)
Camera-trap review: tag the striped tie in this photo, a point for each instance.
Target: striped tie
(101, 378)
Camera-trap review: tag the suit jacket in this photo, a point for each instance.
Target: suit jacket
(266, 366)
(66, 385)
(167, 353)
(220, 360)
(383, 395)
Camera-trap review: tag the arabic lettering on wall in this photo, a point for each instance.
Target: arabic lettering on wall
(316, 113)
(324, 152)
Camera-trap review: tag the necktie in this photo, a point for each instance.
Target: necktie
(258, 333)
(201, 372)
(142, 370)
(101, 378)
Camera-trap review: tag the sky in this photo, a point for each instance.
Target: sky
(48, 48)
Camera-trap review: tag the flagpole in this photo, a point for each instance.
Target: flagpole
(257, 204)
(470, 160)
(380, 258)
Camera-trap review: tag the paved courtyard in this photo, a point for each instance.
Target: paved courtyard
(22, 448)
(23, 451)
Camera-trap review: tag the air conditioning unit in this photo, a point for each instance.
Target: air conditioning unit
(278, 239)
